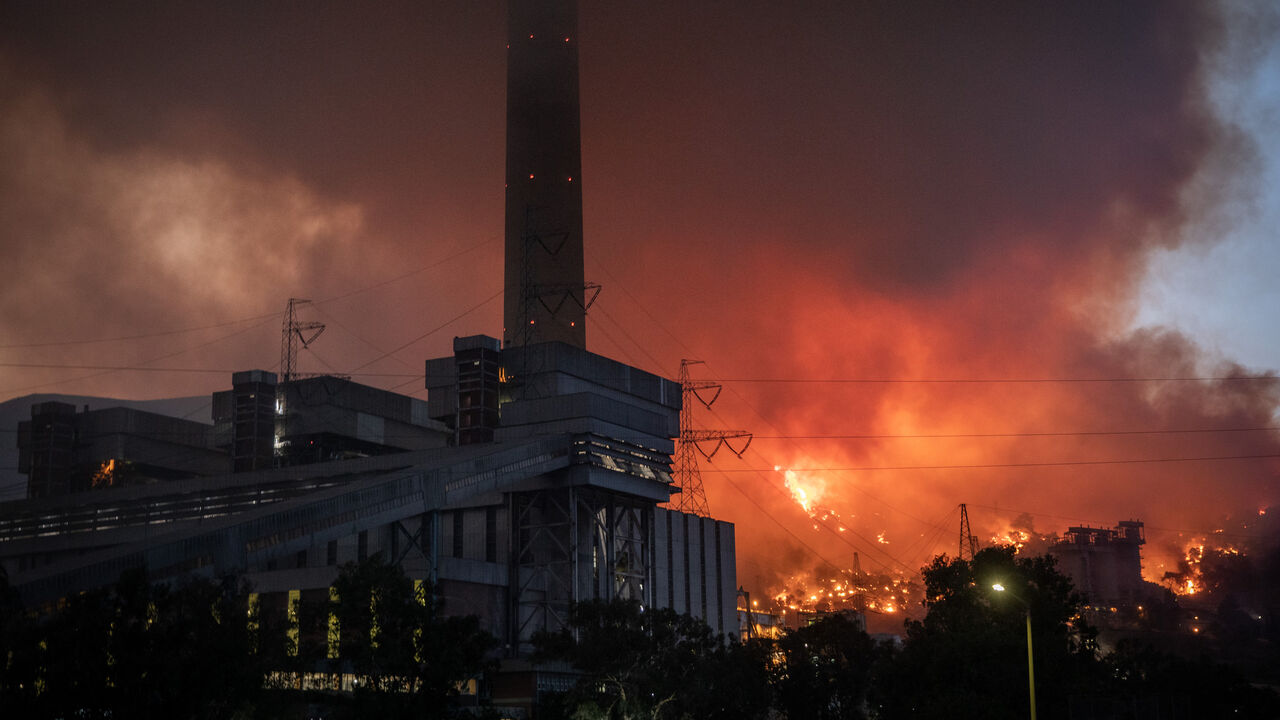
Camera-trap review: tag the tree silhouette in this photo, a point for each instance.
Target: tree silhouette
(824, 670)
(393, 635)
(653, 663)
(968, 657)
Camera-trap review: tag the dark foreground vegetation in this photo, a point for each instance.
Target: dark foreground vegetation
(206, 649)
(198, 650)
(966, 659)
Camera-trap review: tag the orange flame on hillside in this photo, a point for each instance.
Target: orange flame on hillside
(805, 489)
(1189, 579)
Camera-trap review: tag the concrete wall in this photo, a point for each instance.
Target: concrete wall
(695, 568)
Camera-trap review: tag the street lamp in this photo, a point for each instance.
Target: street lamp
(1031, 668)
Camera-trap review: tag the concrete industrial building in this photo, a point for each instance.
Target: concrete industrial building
(1104, 564)
(62, 451)
(530, 479)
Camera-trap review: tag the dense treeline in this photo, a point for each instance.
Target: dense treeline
(966, 659)
(207, 649)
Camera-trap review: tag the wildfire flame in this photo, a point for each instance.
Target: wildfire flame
(882, 592)
(1016, 537)
(1189, 578)
(105, 475)
(806, 490)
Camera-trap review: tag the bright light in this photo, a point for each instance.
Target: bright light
(997, 587)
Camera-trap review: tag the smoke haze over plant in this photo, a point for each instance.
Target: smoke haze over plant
(862, 192)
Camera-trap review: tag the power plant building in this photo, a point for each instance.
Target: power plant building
(528, 480)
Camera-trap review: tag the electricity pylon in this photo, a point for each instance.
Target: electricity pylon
(968, 541)
(293, 333)
(692, 498)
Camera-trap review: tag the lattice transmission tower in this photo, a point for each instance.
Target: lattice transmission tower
(968, 541)
(692, 498)
(293, 333)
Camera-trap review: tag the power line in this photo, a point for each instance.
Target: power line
(981, 381)
(103, 370)
(432, 331)
(821, 523)
(140, 336)
(1126, 461)
(769, 514)
(411, 273)
(112, 368)
(140, 368)
(1072, 433)
(765, 479)
(361, 338)
(197, 328)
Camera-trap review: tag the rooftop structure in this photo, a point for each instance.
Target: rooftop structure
(63, 451)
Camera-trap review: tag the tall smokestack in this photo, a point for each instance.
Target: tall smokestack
(544, 296)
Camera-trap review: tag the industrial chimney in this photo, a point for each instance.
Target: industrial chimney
(545, 294)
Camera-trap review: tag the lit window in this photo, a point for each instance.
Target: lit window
(295, 598)
(253, 624)
(335, 630)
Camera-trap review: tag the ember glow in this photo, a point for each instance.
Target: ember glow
(1015, 537)
(1200, 555)
(874, 593)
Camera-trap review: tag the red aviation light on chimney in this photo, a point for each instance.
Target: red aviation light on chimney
(543, 138)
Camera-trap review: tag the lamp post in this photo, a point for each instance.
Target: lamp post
(1031, 667)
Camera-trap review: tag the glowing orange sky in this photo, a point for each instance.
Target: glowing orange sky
(815, 191)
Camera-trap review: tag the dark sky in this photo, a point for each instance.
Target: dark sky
(789, 191)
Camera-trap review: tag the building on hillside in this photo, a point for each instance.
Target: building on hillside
(1104, 563)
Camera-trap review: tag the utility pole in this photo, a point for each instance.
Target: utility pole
(692, 498)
